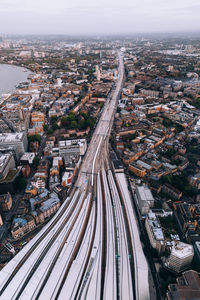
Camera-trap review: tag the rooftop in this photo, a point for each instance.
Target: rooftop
(3, 160)
(28, 156)
(145, 193)
(182, 250)
(71, 142)
(155, 226)
(53, 200)
(197, 244)
(11, 137)
(19, 221)
(187, 287)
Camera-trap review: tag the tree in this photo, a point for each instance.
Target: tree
(74, 124)
(22, 184)
(45, 127)
(90, 122)
(54, 119)
(55, 126)
(82, 125)
(36, 161)
(71, 116)
(84, 115)
(170, 153)
(64, 121)
(50, 131)
(101, 104)
(34, 138)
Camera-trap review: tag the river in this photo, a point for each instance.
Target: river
(10, 76)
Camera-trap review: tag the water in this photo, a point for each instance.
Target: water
(10, 76)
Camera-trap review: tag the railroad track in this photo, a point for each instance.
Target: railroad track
(88, 249)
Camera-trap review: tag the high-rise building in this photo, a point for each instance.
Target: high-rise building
(98, 73)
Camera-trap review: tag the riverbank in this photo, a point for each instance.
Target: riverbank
(10, 76)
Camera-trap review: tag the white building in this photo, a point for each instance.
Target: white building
(181, 257)
(57, 161)
(25, 54)
(15, 139)
(7, 163)
(72, 147)
(155, 233)
(151, 93)
(144, 199)
(98, 73)
(67, 179)
(39, 183)
(1, 221)
(27, 158)
(38, 54)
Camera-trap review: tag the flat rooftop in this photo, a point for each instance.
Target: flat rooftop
(11, 137)
(3, 160)
(145, 193)
(182, 250)
(68, 143)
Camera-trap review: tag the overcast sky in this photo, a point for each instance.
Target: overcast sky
(103, 16)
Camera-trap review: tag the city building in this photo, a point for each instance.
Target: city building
(37, 121)
(186, 218)
(186, 288)
(197, 254)
(144, 199)
(98, 73)
(46, 209)
(27, 158)
(72, 147)
(12, 139)
(10, 149)
(180, 258)
(21, 226)
(6, 164)
(6, 202)
(172, 191)
(155, 233)
(1, 221)
(137, 170)
(67, 179)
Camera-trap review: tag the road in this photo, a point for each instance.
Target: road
(91, 248)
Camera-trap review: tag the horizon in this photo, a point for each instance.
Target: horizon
(145, 34)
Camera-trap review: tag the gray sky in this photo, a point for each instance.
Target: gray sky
(103, 16)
